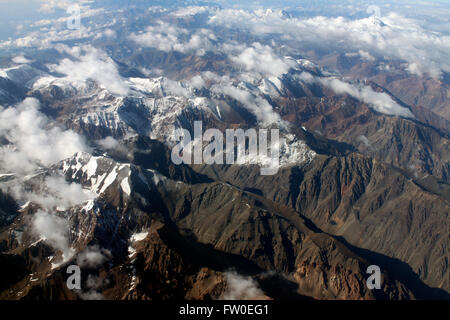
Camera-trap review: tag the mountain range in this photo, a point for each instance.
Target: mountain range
(86, 176)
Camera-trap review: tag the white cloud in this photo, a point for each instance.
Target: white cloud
(240, 288)
(49, 6)
(109, 143)
(54, 230)
(32, 143)
(379, 101)
(46, 32)
(109, 33)
(51, 194)
(94, 284)
(197, 82)
(162, 36)
(89, 63)
(190, 11)
(259, 106)
(93, 256)
(364, 55)
(20, 59)
(167, 37)
(47, 37)
(392, 36)
(261, 59)
(91, 295)
(58, 193)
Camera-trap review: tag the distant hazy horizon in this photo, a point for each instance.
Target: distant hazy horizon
(16, 15)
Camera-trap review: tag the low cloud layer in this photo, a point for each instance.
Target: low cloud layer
(108, 143)
(392, 36)
(89, 63)
(49, 6)
(261, 59)
(379, 101)
(31, 142)
(54, 230)
(260, 107)
(58, 193)
(93, 256)
(388, 36)
(167, 37)
(241, 288)
(20, 60)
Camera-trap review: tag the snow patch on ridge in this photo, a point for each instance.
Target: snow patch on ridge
(125, 186)
(139, 236)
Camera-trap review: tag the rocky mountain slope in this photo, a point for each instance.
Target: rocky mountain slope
(363, 177)
(184, 242)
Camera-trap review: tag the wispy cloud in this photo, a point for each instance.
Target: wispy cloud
(392, 36)
(31, 142)
(89, 63)
(93, 256)
(379, 101)
(48, 6)
(240, 287)
(54, 230)
(167, 37)
(259, 58)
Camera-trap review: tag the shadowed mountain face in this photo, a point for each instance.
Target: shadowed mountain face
(419, 146)
(362, 201)
(192, 236)
(87, 178)
(318, 234)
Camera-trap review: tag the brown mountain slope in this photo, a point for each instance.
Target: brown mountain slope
(416, 147)
(193, 234)
(369, 204)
